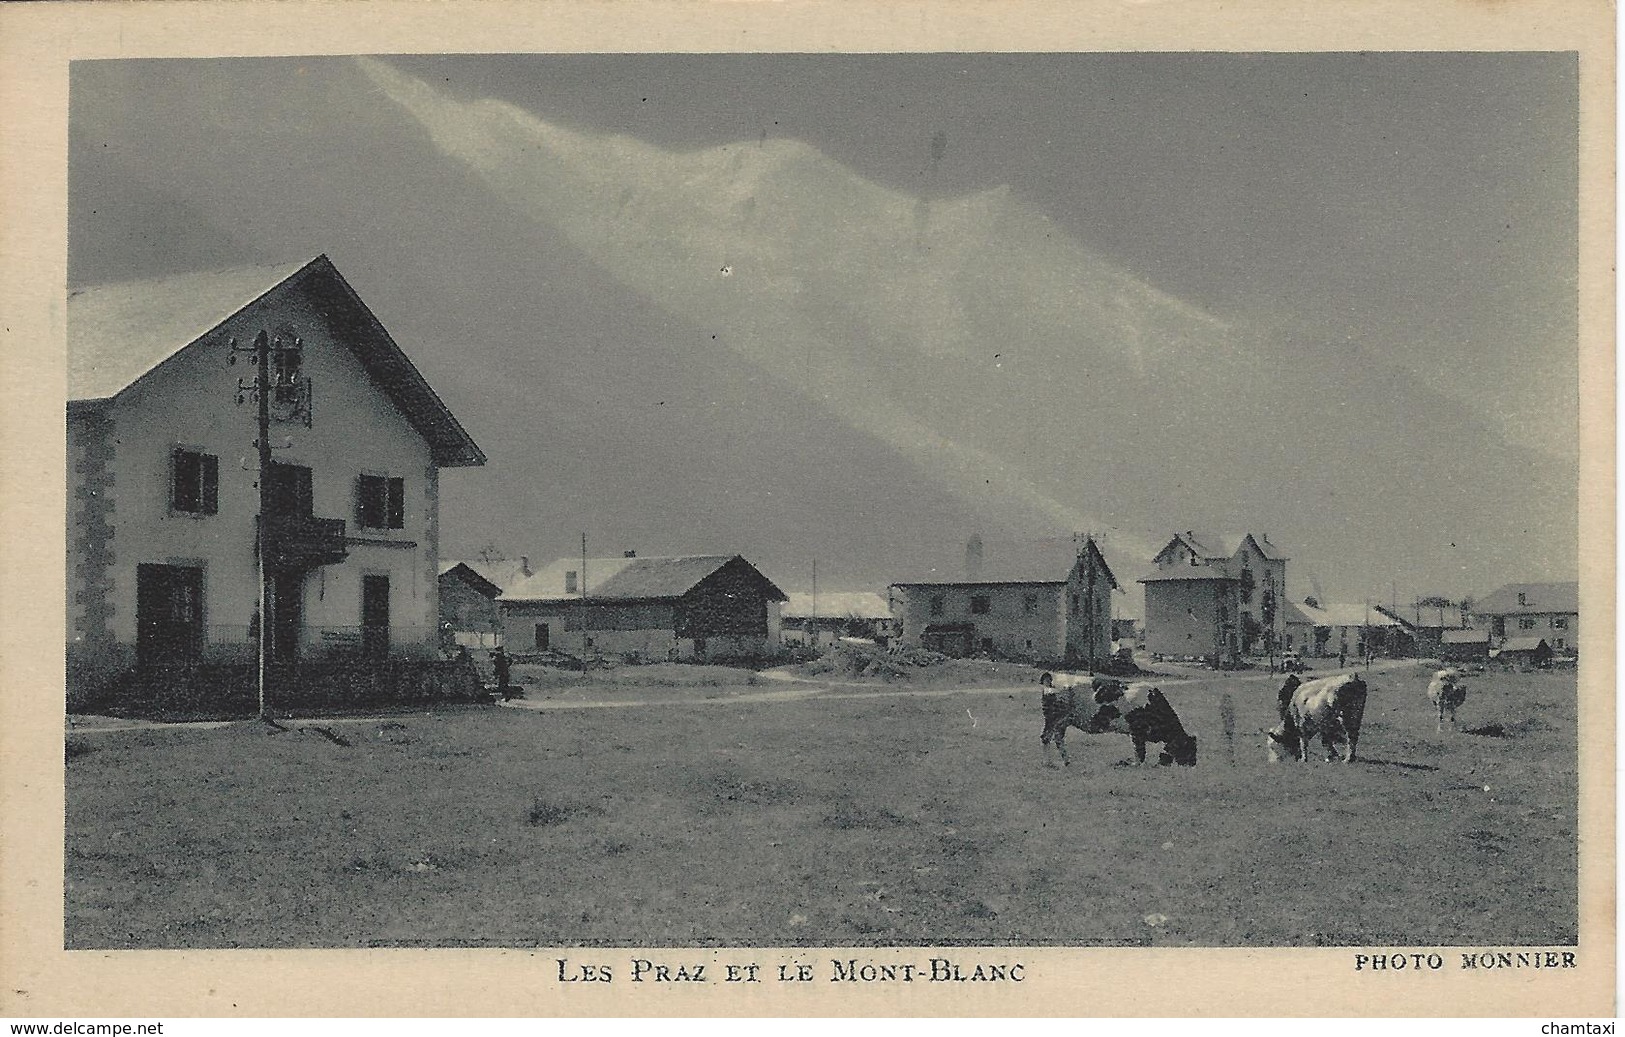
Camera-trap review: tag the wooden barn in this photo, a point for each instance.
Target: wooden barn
(687, 608)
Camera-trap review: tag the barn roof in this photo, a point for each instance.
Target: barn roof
(503, 574)
(1428, 617)
(854, 604)
(1341, 614)
(638, 578)
(120, 333)
(1540, 598)
(463, 571)
(1523, 644)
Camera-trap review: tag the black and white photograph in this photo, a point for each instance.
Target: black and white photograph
(920, 510)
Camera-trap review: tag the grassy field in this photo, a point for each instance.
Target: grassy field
(854, 818)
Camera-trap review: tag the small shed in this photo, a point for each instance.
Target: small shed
(1464, 645)
(469, 616)
(1524, 652)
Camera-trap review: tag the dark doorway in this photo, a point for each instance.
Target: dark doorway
(542, 638)
(168, 613)
(951, 639)
(287, 615)
(375, 616)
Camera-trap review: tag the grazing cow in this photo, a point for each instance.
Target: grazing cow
(1447, 690)
(1330, 707)
(1099, 704)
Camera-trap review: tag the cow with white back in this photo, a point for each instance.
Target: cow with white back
(1096, 705)
(1331, 708)
(1447, 691)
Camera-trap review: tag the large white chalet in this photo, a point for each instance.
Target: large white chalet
(162, 474)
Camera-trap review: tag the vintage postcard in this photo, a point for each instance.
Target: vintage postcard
(740, 509)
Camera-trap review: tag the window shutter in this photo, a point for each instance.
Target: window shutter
(175, 480)
(360, 501)
(397, 504)
(209, 491)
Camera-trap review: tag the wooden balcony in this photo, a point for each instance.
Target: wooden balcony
(302, 542)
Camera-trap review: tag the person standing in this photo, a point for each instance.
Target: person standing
(499, 660)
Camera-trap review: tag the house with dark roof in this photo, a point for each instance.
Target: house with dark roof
(1540, 610)
(644, 609)
(469, 614)
(1032, 617)
(1215, 597)
(163, 496)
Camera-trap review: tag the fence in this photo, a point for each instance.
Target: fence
(231, 689)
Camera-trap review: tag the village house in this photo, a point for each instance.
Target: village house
(163, 498)
(1060, 622)
(469, 614)
(1427, 621)
(815, 619)
(1342, 628)
(1540, 610)
(688, 608)
(1215, 598)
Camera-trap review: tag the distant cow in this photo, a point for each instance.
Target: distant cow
(1329, 707)
(1447, 690)
(1098, 704)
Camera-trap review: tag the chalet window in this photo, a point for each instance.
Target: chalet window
(382, 502)
(194, 485)
(936, 604)
(541, 637)
(980, 604)
(1526, 624)
(288, 490)
(1029, 603)
(1560, 622)
(285, 369)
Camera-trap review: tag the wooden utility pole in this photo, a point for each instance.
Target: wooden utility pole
(261, 389)
(585, 640)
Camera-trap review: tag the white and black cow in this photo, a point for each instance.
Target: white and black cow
(1098, 704)
(1448, 690)
(1331, 708)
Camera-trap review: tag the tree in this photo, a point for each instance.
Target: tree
(1250, 629)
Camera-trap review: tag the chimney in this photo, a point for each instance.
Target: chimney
(973, 558)
(524, 566)
(631, 554)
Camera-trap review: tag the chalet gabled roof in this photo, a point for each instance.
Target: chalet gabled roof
(120, 333)
(1213, 546)
(1093, 551)
(637, 578)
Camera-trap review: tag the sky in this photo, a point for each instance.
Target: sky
(859, 308)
